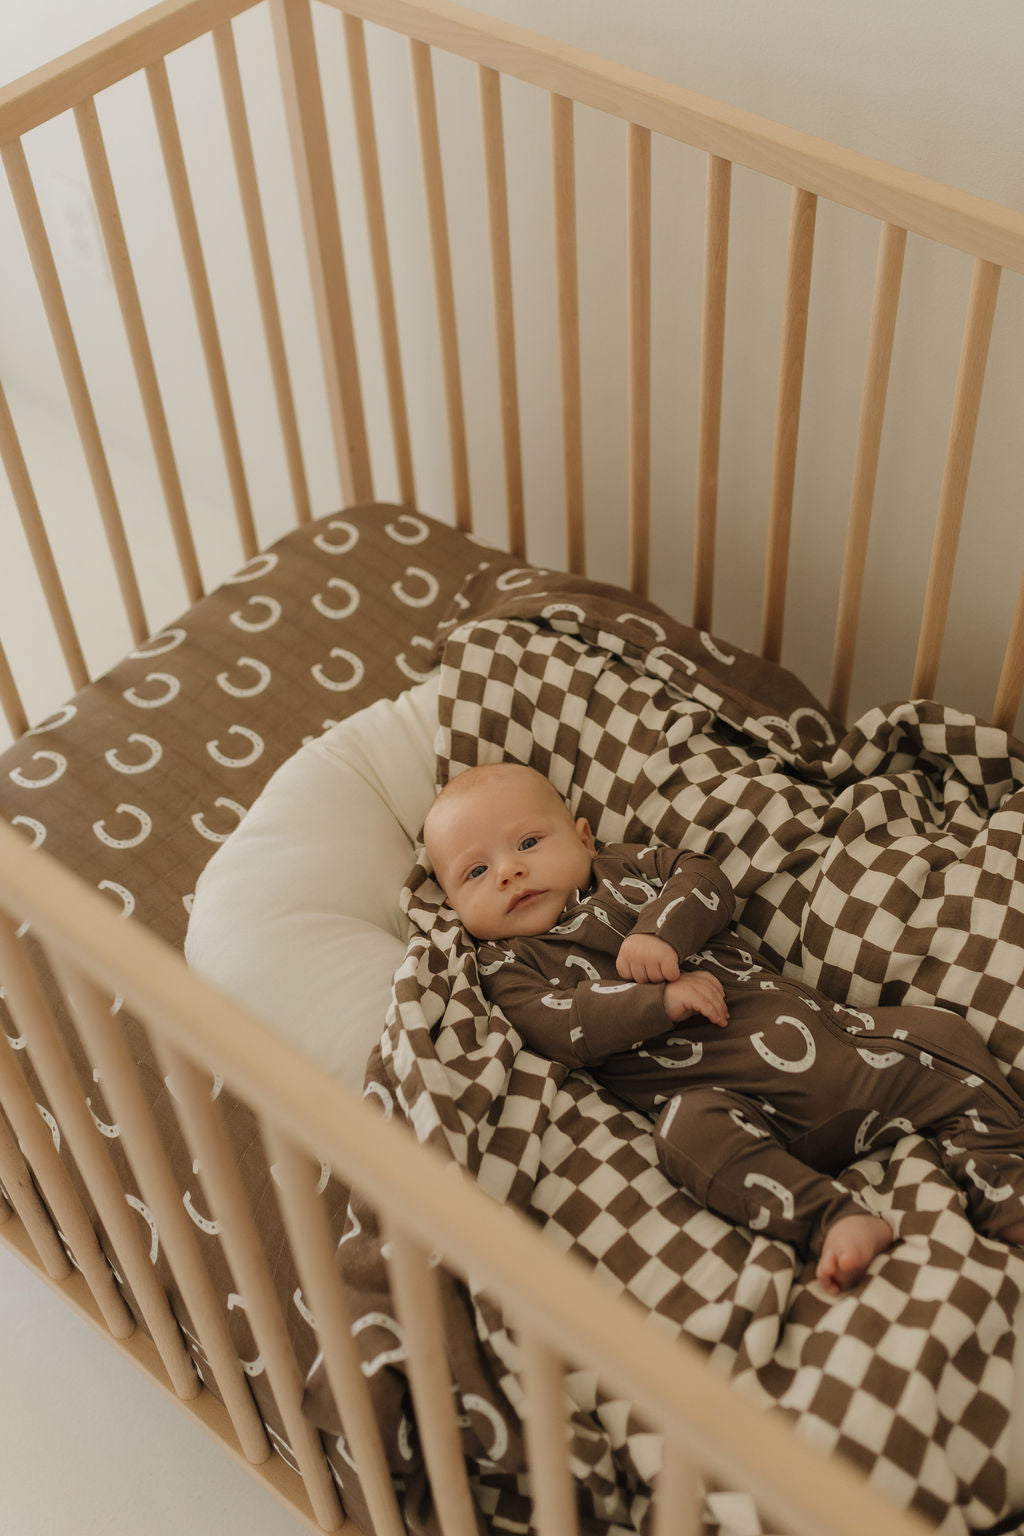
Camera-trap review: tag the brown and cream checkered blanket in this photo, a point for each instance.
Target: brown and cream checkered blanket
(881, 864)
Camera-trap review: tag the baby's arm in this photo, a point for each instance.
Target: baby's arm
(645, 957)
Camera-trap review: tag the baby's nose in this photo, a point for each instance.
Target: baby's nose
(511, 868)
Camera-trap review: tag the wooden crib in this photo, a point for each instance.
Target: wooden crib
(505, 449)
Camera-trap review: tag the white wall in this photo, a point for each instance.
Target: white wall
(934, 87)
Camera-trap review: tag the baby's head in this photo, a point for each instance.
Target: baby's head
(506, 850)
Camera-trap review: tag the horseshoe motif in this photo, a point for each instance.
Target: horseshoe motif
(585, 966)
(412, 673)
(550, 1001)
(147, 1216)
(250, 1367)
(696, 1052)
(252, 570)
(432, 583)
(386, 1356)
(880, 1059)
(638, 618)
(802, 1063)
(217, 837)
(349, 541)
(508, 581)
(321, 604)
(256, 626)
(499, 1429)
(105, 1128)
(155, 753)
(35, 827)
(998, 1194)
(172, 687)
(564, 611)
(54, 1128)
(145, 827)
(664, 652)
(862, 1141)
(709, 645)
(159, 645)
(282, 1447)
(419, 532)
(263, 676)
(255, 748)
(204, 1223)
(608, 987)
(647, 893)
(358, 672)
(56, 771)
(740, 1120)
(781, 1193)
(54, 722)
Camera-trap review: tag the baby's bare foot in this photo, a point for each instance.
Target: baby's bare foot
(1014, 1233)
(850, 1245)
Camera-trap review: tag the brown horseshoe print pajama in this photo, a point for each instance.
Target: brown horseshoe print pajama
(755, 1119)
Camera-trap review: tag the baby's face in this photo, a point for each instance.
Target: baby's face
(508, 853)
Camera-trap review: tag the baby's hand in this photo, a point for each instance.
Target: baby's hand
(643, 957)
(696, 992)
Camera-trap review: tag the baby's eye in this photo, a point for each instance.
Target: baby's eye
(476, 872)
(529, 842)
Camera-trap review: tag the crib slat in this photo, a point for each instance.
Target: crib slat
(202, 299)
(373, 196)
(314, 1246)
(981, 310)
(639, 358)
(1011, 678)
(21, 1192)
(566, 269)
(39, 547)
(803, 209)
(105, 1041)
(712, 364)
(678, 1495)
(547, 1439)
(105, 198)
(420, 1313)
(444, 287)
(318, 203)
(226, 1197)
(888, 277)
(57, 1074)
(256, 232)
(504, 317)
(10, 698)
(51, 293)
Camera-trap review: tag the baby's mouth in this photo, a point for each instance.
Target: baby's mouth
(522, 897)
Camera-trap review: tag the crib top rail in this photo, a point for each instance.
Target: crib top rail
(982, 228)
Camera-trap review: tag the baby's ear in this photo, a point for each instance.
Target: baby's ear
(585, 835)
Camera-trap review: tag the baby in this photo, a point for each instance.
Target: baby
(769, 1089)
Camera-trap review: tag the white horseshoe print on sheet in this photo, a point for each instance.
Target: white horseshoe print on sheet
(158, 645)
(349, 537)
(246, 691)
(204, 1223)
(784, 1196)
(997, 1194)
(417, 599)
(56, 770)
(147, 1216)
(145, 826)
(499, 1429)
(35, 827)
(55, 721)
(639, 618)
(337, 610)
(665, 653)
(171, 688)
(253, 1367)
(51, 1123)
(340, 685)
(199, 820)
(781, 1063)
(417, 531)
(719, 655)
(154, 752)
(386, 1356)
(271, 613)
(255, 748)
(254, 569)
(107, 1128)
(415, 674)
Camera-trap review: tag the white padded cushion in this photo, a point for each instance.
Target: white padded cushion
(297, 915)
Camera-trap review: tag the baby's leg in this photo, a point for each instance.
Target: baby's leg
(849, 1246)
(722, 1148)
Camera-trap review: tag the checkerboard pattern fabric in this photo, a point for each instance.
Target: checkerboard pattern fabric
(882, 864)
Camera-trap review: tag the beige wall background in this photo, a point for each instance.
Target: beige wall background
(933, 87)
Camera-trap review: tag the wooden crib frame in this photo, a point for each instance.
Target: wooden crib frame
(562, 1312)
